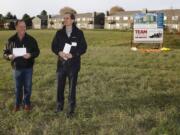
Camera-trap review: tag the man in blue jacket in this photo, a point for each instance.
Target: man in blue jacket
(68, 64)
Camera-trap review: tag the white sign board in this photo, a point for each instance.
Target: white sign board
(148, 35)
(148, 28)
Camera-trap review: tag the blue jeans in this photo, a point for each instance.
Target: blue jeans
(23, 85)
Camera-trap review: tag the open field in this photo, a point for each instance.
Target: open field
(119, 92)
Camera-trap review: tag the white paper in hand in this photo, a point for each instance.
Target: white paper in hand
(17, 52)
(67, 48)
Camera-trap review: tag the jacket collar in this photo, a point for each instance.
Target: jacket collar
(16, 35)
(74, 28)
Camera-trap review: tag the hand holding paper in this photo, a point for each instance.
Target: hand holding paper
(62, 55)
(69, 55)
(11, 57)
(27, 56)
(67, 48)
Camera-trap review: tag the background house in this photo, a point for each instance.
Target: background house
(83, 21)
(120, 20)
(171, 19)
(10, 24)
(40, 22)
(1, 25)
(123, 20)
(90, 20)
(55, 22)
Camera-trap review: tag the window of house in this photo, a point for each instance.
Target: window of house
(78, 19)
(131, 18)
(175, 18)
(90, 19)
(165, 18)
(125, 25)
(117, 18)
(110, 18)
(125, 18)
(84, 19)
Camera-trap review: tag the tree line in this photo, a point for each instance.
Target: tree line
(10, 19)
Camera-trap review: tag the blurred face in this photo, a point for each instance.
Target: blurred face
(67, 20)
(21, 28)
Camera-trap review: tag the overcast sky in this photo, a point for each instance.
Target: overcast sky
(34, 7)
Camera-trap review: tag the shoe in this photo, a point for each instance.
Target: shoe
(70, 114)
(58, 109)
(27, 108)
(16, 108)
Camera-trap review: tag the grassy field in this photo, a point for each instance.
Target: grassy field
(120, 92)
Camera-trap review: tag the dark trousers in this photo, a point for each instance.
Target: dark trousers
(23, 84)
(61, 82)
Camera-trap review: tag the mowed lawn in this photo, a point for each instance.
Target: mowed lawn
(119, 92)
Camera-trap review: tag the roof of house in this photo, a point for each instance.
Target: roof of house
(80, 15)
(165, 11)
(57, 16)
(126, 13)
(84, 15)
(170, 12)
(10, 20)
(42, 17)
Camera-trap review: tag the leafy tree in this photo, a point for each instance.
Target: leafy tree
(9, 16)
(28, 20)
(44, 13)
(116, 9)
(14, 17)
(1, 17)
(67, 9)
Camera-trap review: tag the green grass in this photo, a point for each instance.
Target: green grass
(119, 92)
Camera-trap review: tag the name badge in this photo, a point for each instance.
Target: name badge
(74, 44)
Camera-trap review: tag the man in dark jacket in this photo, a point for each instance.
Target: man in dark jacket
(68, 64)
(22, 64)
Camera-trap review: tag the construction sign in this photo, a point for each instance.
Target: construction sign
(148, 28)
